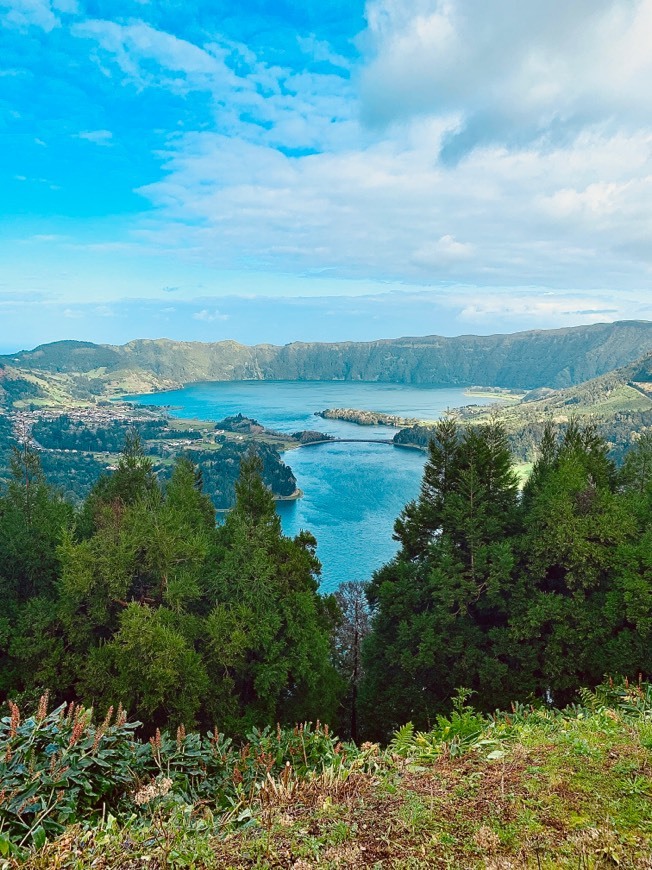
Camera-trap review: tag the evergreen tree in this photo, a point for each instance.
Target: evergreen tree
(33, 519)
(268, 630)
(636, 472)
(151, 665)
(441, 606)
(571, 622)
(149, 553)
(133, 480)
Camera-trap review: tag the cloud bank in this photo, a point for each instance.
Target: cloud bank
(435, 144)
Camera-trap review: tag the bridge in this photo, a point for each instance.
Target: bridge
(348, 441)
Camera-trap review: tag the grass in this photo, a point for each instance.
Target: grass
(535, 789)
(523, 470)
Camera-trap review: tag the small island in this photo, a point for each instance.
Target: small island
(366, 418)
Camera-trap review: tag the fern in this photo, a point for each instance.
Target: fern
(403, 741)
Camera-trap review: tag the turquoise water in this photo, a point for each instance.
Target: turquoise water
(352, 492)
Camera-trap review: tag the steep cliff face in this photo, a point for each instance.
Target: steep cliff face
(542, 358)
(554, 358)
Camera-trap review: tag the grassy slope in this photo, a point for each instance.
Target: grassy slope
(533, 791)
(626, 389)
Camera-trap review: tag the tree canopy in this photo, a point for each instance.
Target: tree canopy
(514, 596)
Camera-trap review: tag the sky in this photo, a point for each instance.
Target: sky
(302, 170)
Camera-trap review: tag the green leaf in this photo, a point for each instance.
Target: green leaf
(39, 838)
(5, 846)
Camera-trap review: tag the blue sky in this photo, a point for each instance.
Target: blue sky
(322, 171)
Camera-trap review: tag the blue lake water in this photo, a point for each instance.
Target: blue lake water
(352, 492)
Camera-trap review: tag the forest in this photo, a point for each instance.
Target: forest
(137, 595)
(137, 601)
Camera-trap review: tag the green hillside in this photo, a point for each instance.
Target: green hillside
(555, 358)
(619, 403)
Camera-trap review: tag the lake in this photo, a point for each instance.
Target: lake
(352, 492)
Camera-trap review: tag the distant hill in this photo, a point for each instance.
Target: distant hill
(555, 358)
(628, 388)
(619, 403)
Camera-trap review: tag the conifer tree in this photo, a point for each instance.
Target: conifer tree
(33, 518)
(139, 576)
(268, 631)
(570, 621)
(133, 480)
(441, 604)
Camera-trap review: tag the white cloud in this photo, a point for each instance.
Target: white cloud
(151, 57)
(532, 307)
(209, 316)
(392, 211)
(98, 137)
(513, 70)
(26, 13)
(37, 13)
(468, 146)
(320, 50)
(260, 102)
(556, 210)
(445, 250)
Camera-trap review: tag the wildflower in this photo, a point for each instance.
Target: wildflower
(157, 788)
(155, 743)
(78, 728)
(42, 711)
(99, 734)
(107, 719)
(15, 718)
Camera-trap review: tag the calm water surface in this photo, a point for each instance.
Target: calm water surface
(352, 492)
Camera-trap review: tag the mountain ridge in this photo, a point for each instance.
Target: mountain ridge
(70, 370)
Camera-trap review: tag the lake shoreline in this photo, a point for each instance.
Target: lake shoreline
(353, 492)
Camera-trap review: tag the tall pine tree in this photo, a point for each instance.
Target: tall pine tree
(441, 606)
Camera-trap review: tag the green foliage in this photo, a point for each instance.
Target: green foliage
(268, 632)
(439, 606)
(60, 768)
(57, 768)
(67, 433)
(452, 735)
(32, 520)
(516, 597)
(142, 598)
(580, 598)
(562, 788)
